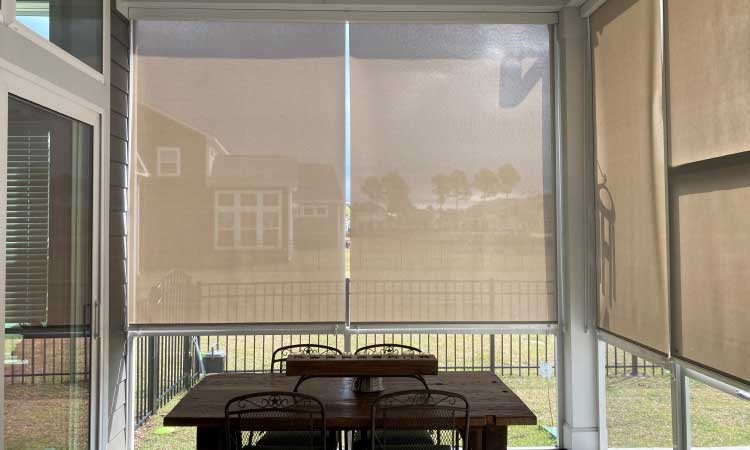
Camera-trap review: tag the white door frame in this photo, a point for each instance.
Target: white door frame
(25, 85)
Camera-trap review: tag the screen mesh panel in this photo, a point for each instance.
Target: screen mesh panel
(709, 44)
(630, 191)
(452, 174)
(709, 86)
(711, 238)
(238, 204)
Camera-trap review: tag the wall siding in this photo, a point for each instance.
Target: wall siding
(119, 149)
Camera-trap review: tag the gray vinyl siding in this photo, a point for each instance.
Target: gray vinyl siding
(118, 196)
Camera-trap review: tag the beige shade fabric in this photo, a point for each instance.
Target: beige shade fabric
(711, 268)
(709, 86)
(238, 171)
(452, 179)
(709, 55)
(630, 191)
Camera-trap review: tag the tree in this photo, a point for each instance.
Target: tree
(441, 187)
(389, 192)
(372, 187)
(509, 178)
(396, 193)
(460, 188)
(487, 182)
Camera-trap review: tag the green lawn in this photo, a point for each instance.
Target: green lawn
(639, 414)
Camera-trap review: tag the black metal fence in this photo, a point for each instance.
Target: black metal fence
(46, 357)
(506, 354)
(165, 366)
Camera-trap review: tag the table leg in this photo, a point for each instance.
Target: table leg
(490, 437)
(210, 439)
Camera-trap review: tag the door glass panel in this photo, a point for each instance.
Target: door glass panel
(48, 280)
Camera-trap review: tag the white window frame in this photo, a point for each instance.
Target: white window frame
(8, 17)
(164, 156)
(25, 86)
(236, 210)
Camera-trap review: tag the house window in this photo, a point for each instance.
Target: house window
(247, 219)
(168, 162)
(313, 211)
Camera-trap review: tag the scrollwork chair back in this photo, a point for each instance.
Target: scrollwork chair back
(279, 356)
(387, 349)
(420, 420)
(288, 416)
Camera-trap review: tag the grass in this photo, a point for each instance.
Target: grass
(639, 414)
(46, 416)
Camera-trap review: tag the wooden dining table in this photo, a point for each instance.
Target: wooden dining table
(493, 406)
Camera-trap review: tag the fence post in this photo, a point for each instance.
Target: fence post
(633, 365)
(492, 353)
(187, 362)
(152, 380)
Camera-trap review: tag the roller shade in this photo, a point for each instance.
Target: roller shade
(709, 86)
(711, 238)
(630, 191)
(452, 179)
(238, 188)
(709, 55)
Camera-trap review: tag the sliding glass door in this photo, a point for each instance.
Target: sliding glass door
(48, 279)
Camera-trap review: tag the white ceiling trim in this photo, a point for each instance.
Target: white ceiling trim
(538, 11)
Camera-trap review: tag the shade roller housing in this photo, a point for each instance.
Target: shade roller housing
(630, 178)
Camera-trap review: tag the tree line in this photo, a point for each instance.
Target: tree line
(392, 192)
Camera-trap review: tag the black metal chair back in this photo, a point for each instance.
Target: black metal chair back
(387, 349)
(280, 355)
(249, 418)
(421, 420)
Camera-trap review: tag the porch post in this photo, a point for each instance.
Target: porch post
(579, 418)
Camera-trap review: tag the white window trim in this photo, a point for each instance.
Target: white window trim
(161, 153)
(236, 210)
(56, 50)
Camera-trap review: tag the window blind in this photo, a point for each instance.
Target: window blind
(709, 89)
(630, 191)
(452, 180)
(28, 229)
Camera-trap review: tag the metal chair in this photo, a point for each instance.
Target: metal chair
(274, 420)
(387, 349)
(280, 355)
(420, 420)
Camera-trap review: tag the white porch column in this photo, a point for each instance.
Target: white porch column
(580, 424)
